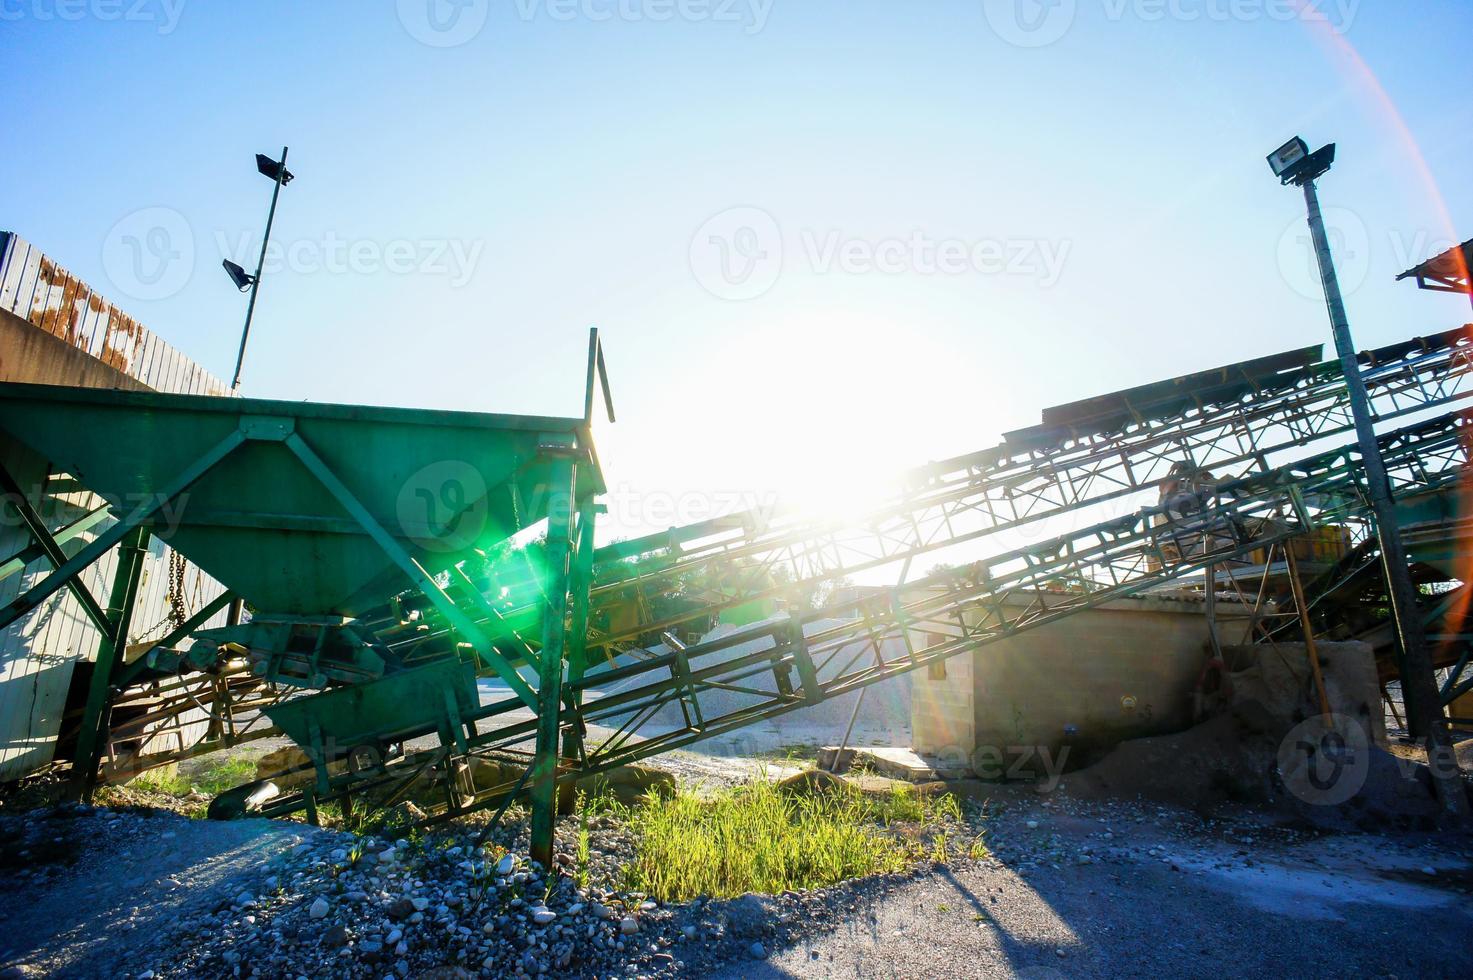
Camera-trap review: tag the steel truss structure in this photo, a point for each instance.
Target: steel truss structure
(1258, 427)
(1087, 456)
(966, 608)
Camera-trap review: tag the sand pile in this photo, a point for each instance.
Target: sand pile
(1269, 744)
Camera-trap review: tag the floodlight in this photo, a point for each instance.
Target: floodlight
(243, 280)
(1292, 163)
(271, 168)
(1282, 160)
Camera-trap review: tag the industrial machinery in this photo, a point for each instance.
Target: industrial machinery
(377, 549)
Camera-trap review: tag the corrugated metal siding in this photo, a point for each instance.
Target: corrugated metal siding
(38, 653)
(35, 288)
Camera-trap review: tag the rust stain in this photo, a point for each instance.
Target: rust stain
(114, 358)
(59, 318)
(74, 319)
(94, 303)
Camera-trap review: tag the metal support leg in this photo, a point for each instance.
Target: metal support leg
(1307, 628)
(580, 582)
(550, 667)
(93, 734)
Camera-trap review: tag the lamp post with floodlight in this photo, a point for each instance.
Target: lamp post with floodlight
(1292, 163)
(276, 170)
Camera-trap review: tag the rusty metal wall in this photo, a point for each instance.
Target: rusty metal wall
(38, 653)
(40, 291)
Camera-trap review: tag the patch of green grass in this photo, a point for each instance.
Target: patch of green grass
(165, 780)
(222, 774)
(211, 779)
(759, 838)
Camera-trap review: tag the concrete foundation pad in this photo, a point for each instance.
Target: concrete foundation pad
(895, 761)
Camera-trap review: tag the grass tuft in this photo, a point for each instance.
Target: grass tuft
(759, 838)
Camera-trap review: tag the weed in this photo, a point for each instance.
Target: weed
(585, 844)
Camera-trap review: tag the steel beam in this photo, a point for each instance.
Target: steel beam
(561, 509)
(92, 737)
(126, 524)
(412, 569)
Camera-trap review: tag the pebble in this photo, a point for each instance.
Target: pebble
(757, 951)
(319, 908)
(628, 926)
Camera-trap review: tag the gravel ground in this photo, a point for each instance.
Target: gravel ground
(1071, 888)
(1127, 889)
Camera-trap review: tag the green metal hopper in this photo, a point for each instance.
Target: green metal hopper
(314, 514)
(292, 500)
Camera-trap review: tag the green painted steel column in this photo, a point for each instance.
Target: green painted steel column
(581, 581)
(93, 734)
(550, 662)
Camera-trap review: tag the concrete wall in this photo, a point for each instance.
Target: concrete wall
(1123, 670)
(943, 707)
(36, 357)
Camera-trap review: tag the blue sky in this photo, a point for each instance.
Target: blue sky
(938, 232)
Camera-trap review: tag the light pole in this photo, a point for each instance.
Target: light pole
(276, 170)
(1292, 163)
